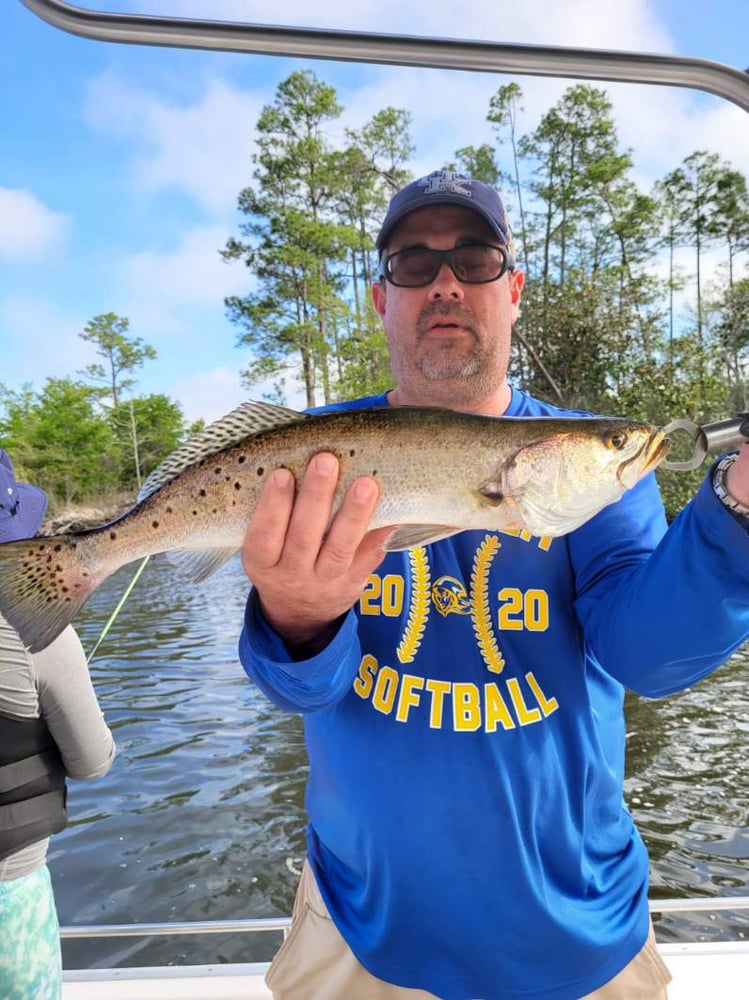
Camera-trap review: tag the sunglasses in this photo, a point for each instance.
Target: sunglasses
(472, 264)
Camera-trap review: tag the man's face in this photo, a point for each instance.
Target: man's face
(449, 342)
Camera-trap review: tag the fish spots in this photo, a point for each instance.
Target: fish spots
(352, 452)
(169, 510)
(237, 485)
(154, 524)
(260, 470)
(203, 493)
(194, 513)
(218, 471)
(112, 535)
(241, 459)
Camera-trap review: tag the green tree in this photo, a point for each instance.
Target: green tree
(732, 333)
(369, 169)
(731, 222)
(63, 444)
(589, 312)
(693, 193)
(122, 354)
(478, 162)
(291, 240)
(146, 429)
(504, 108)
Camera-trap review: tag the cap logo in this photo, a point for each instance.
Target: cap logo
(447, 182)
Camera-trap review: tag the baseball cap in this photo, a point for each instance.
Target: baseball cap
(22, 506)
(447, 187)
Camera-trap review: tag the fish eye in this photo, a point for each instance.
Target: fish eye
(617, 440)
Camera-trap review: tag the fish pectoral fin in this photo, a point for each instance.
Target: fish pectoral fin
(408, 536)
(198, 564)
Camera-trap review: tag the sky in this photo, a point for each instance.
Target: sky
(120, 165)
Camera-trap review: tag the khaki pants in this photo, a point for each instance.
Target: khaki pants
(315, 963)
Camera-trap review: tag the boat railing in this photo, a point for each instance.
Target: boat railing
(281, 924)
(400, 50)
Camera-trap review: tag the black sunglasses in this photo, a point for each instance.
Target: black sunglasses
(472, 264)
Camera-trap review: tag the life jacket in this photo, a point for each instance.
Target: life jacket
(32, 784)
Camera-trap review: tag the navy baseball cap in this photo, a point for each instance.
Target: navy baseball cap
(22, 507)
(447, 187)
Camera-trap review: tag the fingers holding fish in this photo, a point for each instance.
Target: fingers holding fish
(307, 575)
(340, 548)
(266, 533)
(312, 513)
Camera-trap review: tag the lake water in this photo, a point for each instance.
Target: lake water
(201, 817)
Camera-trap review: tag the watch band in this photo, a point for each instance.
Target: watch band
(719, 486)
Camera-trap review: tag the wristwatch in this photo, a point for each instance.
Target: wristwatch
(719, 487)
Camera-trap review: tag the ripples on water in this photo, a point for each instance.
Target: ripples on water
(201, 816)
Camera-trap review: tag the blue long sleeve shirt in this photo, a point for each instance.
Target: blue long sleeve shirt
(466, 737)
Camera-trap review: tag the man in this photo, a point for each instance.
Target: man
(468, 838)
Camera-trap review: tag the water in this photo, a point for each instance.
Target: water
(201, 817)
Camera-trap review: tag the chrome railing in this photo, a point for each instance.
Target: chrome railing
(253, 925)
(403, 50)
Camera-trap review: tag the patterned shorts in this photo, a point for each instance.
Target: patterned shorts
(30, 963)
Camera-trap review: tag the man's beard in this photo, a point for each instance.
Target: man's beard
(447, 362)
(447, 357)
(451, 370)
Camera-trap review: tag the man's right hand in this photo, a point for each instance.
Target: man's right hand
(306, 575)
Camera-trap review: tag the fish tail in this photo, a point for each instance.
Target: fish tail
(44, 582)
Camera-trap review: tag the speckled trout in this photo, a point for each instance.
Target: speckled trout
(440, 472)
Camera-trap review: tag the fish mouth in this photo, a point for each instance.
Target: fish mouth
(652, 452)
(656, 450)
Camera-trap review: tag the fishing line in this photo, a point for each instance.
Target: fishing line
(118, 608)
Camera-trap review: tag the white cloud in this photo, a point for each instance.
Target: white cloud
(40, 341)
(212, 394)
(628, 24)
(202, 149)
(208, 394)
(191, 274)
(28, 229)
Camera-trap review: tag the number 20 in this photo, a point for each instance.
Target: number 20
(520, 609)
(382, 596)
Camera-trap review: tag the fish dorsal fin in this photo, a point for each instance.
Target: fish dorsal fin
(247, 419)
(407, 536)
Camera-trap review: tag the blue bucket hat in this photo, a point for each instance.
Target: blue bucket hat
(447, 187)
(22, 507)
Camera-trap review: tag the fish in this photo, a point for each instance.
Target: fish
(440, 472)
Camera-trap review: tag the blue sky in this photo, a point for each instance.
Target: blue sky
(120, 165)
